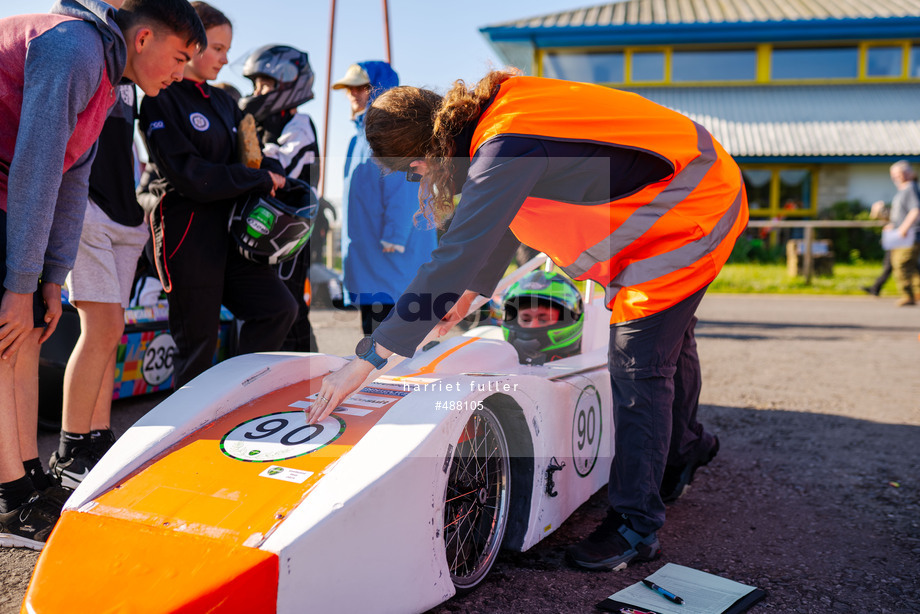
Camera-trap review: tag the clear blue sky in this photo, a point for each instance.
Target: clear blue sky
(432, 44)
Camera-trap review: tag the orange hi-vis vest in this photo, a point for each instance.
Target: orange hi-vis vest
(650, 249)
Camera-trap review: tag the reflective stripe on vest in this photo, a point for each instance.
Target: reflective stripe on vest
(653, 248)
(645, 217)
(658, 266)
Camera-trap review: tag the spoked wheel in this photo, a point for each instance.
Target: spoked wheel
(477, 500)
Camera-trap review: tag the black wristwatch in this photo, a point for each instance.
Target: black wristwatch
(367, 350)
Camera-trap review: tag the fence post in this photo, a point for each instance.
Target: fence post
(808, 263)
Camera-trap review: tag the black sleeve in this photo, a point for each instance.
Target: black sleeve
(177, 158)
(495, 267)
(310, 172)
(501, 176)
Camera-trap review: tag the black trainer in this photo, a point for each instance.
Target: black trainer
(101, 440)
(614, 545)
(55, 497)
(29, 525)
(71, 470)
(677, 478)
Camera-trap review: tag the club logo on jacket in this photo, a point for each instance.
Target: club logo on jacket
(199, 122)
(126, 92)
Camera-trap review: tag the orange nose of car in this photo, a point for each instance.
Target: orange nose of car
(108, 565)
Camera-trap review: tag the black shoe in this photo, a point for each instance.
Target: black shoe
(29, 525)
(614, 545)
(71, 470)
(101, 441)
(870, 290)
(55, 497)
(677, 478)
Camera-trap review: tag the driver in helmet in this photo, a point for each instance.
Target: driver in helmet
(282, 79)
(543, 318)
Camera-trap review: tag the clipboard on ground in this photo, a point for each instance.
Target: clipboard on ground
(703, 593)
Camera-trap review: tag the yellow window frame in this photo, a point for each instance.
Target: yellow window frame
(775, 207)
(764, 62)
(628, 64)
(864, 48)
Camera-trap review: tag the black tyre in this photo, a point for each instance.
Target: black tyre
(477, 500)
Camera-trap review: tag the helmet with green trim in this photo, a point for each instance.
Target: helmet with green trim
(537, 345)
(270, 229)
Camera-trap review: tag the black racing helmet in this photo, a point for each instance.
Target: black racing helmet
(542, 344)
(291, 71)
(269, 230)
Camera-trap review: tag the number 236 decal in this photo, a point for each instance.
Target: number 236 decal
(158, 359)
(279, 436)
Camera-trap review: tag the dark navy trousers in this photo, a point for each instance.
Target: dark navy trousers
(655, 375)
(206, 271)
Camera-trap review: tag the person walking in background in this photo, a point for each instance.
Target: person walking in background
(905, 220)
(195, 179)
(99, 286)
(59, 76)
(382, 244)
(282, 80)
(879, 211)
(667, 205)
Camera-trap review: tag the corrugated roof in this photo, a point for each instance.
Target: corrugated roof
(647, 12)
(796, 121)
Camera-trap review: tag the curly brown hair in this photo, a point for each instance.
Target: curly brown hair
(405, 124)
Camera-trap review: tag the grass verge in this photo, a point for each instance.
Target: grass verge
(774, 279)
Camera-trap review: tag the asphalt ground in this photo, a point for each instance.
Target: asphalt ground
(815, 494)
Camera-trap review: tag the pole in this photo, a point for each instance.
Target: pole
(323, 158)
(808, 263)
(322, 166)
(386, 32)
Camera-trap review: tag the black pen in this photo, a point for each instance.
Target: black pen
(663, 592)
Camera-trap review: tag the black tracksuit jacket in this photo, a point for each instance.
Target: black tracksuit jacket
(190, 131)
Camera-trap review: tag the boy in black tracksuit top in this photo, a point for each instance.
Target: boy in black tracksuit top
(190, 131)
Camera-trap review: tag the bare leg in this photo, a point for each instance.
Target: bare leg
(89, 376)
(10, 458)
(103, 410)
(26, 387)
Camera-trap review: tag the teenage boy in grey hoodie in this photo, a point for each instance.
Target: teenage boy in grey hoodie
(58, 78)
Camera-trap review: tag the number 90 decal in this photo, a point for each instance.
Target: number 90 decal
(586, 430)
(279, 436)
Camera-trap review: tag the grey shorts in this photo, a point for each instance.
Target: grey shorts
(106, 259)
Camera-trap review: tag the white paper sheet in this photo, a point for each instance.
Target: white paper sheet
(703, 593)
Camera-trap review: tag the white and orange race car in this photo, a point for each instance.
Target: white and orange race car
(222, 498)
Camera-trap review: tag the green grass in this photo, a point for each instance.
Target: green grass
(774, 279)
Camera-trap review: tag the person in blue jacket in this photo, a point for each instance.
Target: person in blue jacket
(383, 245)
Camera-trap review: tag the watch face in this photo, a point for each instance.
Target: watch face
(364, 346)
